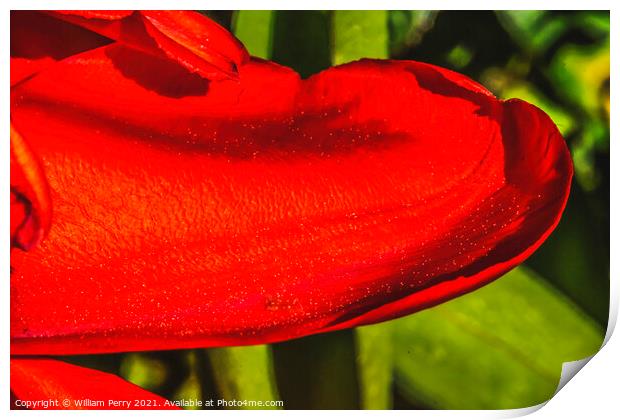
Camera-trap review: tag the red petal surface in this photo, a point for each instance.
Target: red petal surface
(190, 213)
(38, 381)
(191, 39)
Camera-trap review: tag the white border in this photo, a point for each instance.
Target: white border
(595, 390)
(316, 4)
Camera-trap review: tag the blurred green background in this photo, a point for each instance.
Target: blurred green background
(499, 347)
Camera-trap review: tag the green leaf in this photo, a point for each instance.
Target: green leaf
(244, 373)
(595, 22)
(301, 40)
(407, 27)
(318, 372)
(142, 370)
(460, 56)
(497, 348)
(534, 30)
(254, 28)
(594, 138)
(579, 73)
(191, 388)
(593, 77)
(375, 366)
(359, 34)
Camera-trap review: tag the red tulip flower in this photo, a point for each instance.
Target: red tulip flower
(168, 191)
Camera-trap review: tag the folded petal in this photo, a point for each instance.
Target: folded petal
(191, 39)
(30, 196)
(51, 384)
(194, 214)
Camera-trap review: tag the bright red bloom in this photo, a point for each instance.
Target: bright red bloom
(202, 198)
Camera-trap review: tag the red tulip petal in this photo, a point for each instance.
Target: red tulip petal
(193, 215)
(70, 387)
(536, 162)
(38, 40)
(30, 196)
(98, 14)
(191, 39)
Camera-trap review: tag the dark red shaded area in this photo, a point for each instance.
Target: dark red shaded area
(244, 211)
(36, 382)
(38, 41)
